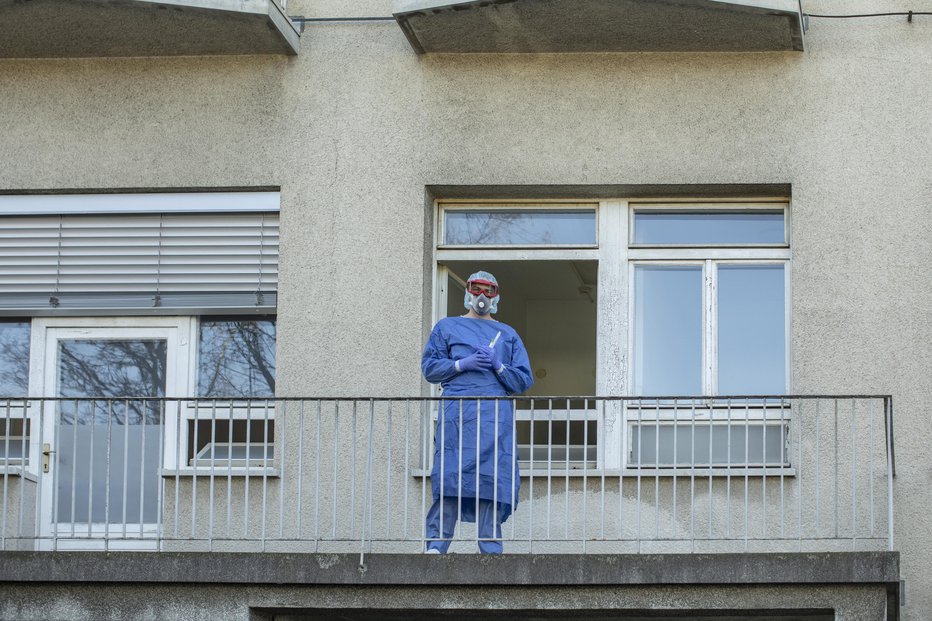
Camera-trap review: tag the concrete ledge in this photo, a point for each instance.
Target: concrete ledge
(608, 191)
(850, 568)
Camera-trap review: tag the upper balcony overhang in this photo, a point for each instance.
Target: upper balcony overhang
(93, 28)
(544, 26)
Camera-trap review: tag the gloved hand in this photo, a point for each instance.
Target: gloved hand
(476, 362)
(494, 358)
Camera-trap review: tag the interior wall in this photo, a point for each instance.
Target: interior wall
(561, 344)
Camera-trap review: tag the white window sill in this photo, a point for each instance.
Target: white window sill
(561, 472)
(221, 472)
(21, 472)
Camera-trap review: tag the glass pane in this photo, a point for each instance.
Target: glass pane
(14, 358)
(501, 227)
(572, 441)
(236, 358)
(738, 444)
(668, 330)
(108, 450)
(751, 330)
(709, 228)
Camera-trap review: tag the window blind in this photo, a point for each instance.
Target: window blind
(121, 262)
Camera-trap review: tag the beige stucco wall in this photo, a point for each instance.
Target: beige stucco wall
(355, 127)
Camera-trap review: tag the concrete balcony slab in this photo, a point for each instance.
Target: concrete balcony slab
(101, 28)
(544, 26)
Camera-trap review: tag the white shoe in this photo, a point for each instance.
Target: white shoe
(432, 551)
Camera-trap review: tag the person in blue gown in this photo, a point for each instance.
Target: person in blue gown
(475, 471)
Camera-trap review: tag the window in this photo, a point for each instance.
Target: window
(14, 384)
(657, 300)
(709, 323)
(552, 282)
(232, 424)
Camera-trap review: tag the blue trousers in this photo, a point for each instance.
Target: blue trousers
(490, 537)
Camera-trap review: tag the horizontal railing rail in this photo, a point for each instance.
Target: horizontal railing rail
(597, 474)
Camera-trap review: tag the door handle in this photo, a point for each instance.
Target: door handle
(46, 457)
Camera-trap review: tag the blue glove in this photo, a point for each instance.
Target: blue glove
(477, 362)
(495, 359)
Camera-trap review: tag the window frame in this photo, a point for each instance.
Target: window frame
(616, 254)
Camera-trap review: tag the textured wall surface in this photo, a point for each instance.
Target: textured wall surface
(357, 125)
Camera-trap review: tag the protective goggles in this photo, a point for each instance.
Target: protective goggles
(478, 287)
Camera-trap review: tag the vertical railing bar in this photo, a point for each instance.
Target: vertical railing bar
(230, 418)
(621, 413)
(38, 522)
(818, 469)
(515, 469)
(459, 472)
(495, 475)
(637, 505)
(763, 477)
(353, 471)
(142, 474)
(299, 534)
(263, 531)
(585, 488)
(782, 467)
(109, 461)
(657, 468)
(160, 507)
(478, 480)
(870, 464)
(728, 470)
(336, 431)
(282, 425)
(367, 506)
(888, 419)
(853, 468)
(317, 480)
(90, 478)
(195, 452)
(404, 481)
(799, 418)
(426, 432)
(835, 471)
(23, 452)
(566, 472)
(178, 461)
(600, 438)
(675, 462)
(692, 476)
(388, 474)
(246, 482)
(747, 467)
(56, 435)
(711, 404)
(530, 528)
(549, 465)
(6, 471)
(212, 482)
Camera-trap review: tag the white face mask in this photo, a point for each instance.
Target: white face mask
(481, 304)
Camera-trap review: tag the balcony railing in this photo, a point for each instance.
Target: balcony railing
(598, 474)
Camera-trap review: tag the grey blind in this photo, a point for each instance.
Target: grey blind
(211, 262)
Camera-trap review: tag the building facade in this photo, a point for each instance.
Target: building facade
(227, 228)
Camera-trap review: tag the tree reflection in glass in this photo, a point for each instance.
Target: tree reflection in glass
(14, 358)
(500, 227)
(236, 358)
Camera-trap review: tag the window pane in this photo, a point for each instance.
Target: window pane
(236, 358)
(668, 330)
(14, 358)
(709, 228)
(751, 330)
(500, 227)
(737, 444)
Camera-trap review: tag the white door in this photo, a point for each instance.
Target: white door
(106, 435)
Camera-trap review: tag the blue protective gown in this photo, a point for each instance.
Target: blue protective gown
(497, 478)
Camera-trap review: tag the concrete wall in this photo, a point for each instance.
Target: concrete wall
(357, 125)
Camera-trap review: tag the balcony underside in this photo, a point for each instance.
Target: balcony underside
(95, 28)
(506, 26)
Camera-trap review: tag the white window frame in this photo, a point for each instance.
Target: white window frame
(709, 257)
(616, 254)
